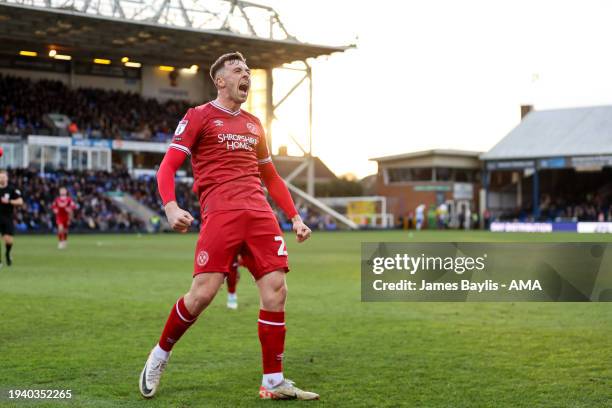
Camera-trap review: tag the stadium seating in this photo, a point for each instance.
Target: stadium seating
(95, 113)
(592, 207)
(96, 211)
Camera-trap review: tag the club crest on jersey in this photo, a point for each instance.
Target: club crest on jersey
(252, 128)
(202, 258)
(181, 127)
(218, 122)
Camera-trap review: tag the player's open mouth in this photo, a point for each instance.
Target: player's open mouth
(243, 87)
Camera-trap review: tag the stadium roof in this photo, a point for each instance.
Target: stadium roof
(555, 133)
(432, 152)
(86, 35)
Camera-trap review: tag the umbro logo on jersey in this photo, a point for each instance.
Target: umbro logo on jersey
(218, 122)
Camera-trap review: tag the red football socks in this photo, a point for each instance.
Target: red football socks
(178, 323)
(271, 329)
(232, 280)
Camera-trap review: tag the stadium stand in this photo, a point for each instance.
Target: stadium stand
(593, 207)
(96, 113)
(554, 166)
(95, 212)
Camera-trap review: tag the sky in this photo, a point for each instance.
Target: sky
(439, 74)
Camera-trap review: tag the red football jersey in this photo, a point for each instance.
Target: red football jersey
(62, 206)
(226, 148)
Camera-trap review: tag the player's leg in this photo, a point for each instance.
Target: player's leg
(182, 316)
(214, 254)
(8, 245)
(3, 232)
(232, 281)
(265, 256)
(60, 234)
(271, 328)
(271, 325)
(186, 310)
(66, 229)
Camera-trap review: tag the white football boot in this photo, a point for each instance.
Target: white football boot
(232, 301)
(151, 374)
(286, 390)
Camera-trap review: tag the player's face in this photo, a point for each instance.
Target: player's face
(3, 179)
(63, 192)
(236, 81)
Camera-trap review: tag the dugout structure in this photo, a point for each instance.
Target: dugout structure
(551, 155)
(151, 42)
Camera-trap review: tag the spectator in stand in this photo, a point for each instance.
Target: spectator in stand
(330, 223)
(73, 128)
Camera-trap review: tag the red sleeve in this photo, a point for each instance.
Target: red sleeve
(275, 184)
(165, 175)
(54, 205)
(263, 154)
(186, 132)
(277, 188)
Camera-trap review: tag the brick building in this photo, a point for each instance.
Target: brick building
(429, 177)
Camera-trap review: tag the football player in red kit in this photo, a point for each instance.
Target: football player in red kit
(229, 157)
(63, 206)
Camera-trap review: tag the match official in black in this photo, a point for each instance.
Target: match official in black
(9, 197)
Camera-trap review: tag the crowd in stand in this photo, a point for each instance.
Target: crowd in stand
(312, 218)
(591, 207)
(95, 113)
(144, 189)
(95, 210)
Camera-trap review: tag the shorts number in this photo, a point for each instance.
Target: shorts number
(281, 249)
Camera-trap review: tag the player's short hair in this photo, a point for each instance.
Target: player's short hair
(220, 62)
(3, 171)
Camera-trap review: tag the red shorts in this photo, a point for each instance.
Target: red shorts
(253, 234)
(62, 221)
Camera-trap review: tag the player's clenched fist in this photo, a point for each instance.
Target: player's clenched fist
(179, 219)
(302, 232)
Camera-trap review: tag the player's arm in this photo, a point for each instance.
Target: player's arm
(70, 209)
(179, 219)
(16, 199)
(280, 194)
(278, 189)
(184, 137)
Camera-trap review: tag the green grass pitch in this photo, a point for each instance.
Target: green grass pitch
(85, 319)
